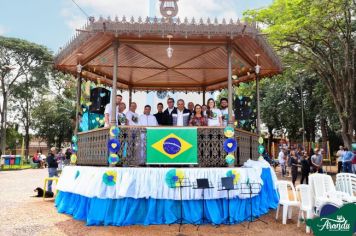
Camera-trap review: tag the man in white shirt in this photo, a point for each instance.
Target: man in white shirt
(225, 112)
(121, 117)
(181, 115)
(131, 115)
(146, 119)
(108, 109)
(282, 161)
(339, 154)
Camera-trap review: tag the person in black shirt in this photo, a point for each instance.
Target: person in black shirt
(159, 115)
(168, 119)
(294, 166)
(52, 166)
(305, 168)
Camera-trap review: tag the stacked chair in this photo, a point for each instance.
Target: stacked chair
(346, 183)
(284, 200)
(301, 199)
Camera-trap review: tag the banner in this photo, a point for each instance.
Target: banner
(172, 146)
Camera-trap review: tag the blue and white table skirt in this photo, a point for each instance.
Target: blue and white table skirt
(142, 195)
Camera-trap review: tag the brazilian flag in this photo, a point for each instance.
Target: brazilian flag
(172, 146)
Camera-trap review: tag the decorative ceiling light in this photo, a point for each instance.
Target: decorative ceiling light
(169, 49)
(79, 68)
(257, 67)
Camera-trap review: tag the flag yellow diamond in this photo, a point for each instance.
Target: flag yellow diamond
(172, 146)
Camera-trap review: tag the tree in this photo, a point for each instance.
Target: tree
(13, 136)
(27, 94)
(21, 62)
(320, 34)
(53, 116)
(281, 106)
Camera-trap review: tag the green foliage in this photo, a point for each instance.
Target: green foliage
(54, 115)
(317, 38)
(24, 68)
(281, 104)
(12, 135)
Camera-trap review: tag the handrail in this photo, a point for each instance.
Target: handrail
(199, 127)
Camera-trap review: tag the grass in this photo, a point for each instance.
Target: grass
(16, 167)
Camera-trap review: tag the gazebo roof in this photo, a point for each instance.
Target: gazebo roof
(199, 61)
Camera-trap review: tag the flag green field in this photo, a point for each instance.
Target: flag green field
(172, 146)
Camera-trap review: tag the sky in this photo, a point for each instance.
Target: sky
(52, 22)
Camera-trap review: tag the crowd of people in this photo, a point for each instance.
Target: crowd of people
(346, 160)
(179, 115)
(291, 159)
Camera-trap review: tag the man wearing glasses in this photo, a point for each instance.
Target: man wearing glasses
(167, 114)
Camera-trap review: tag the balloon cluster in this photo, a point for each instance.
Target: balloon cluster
(114, 145)
(73, 157)
(230, 144)
(260, 147)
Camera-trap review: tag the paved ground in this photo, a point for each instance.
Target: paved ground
(21, 214)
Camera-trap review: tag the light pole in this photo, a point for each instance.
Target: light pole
(257, 71)
(302, 104)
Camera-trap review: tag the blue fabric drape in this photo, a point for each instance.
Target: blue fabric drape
(130, 211)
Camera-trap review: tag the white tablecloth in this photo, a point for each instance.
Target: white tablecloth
(150, 182)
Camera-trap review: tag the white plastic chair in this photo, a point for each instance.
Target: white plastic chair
(346, 182)
(306, 203)
(323, 191)
(284, 200)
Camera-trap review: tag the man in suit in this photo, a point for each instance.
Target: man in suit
(181, 116)
(159, 115)
(167, 119)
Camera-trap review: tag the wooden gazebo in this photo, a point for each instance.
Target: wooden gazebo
(133, 54)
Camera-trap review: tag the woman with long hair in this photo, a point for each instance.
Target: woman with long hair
(198, 118)
(214, 115)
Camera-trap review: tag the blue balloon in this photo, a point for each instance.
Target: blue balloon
(230, 145)
(114, 145)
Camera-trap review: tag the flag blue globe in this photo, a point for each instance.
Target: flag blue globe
(172, 146)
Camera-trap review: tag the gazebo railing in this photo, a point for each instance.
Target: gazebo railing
(93, 151)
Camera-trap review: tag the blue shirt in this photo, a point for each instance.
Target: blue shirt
(347, 156)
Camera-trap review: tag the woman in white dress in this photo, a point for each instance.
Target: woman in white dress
(214, 115)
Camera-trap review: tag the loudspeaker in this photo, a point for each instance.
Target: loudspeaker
(99, 98)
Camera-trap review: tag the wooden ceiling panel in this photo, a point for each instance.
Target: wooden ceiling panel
(198, 61)
(90, 49)
(251, 48)
(214, 58)
(181, 53)
(204, 76)
(170, 77)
